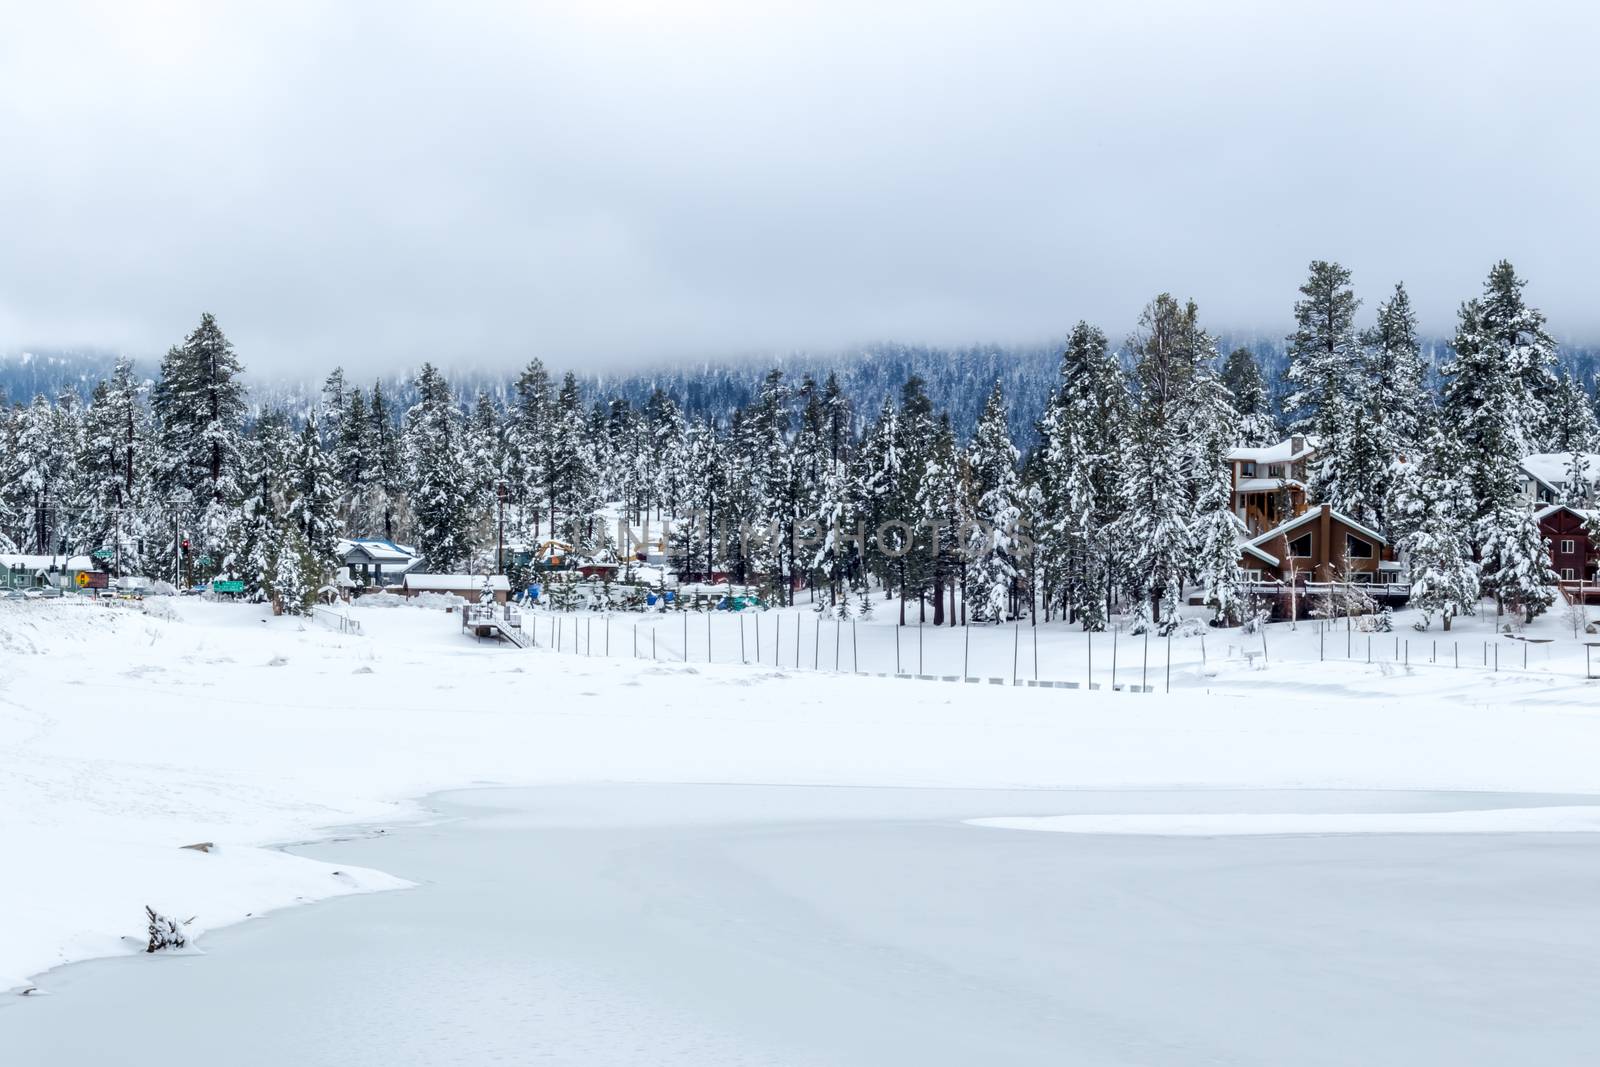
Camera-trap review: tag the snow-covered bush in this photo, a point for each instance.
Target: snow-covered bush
(165, 931)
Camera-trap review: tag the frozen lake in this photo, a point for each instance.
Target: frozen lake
(650, 925)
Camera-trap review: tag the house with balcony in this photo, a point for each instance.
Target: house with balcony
(1574, 550)
(1269, 481)
(1321, 550)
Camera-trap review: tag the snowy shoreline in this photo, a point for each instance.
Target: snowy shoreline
(125, 736)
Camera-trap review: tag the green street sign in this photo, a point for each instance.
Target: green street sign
(227, 587)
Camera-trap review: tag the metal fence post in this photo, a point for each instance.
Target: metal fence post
(855, 649)
(1113, 659)
(1144, 671)
(897, 649)
(966, 650)
(1169, 661)
(1016, 644)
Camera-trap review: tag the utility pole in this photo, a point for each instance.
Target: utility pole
(500, 548)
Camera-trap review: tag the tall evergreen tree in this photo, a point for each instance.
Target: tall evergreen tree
(995, 541)
(438, 473)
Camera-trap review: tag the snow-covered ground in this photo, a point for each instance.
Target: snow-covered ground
(125, 736)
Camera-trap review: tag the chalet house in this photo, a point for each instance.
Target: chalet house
(1321, 545)
(1269, 482)
(468, 587)
(373, 563)
(1574, 551)
(1544, 477)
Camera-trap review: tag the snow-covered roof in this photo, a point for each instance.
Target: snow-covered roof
(1312, 513)
(1551, 468)
(1282, 452)
(1266, 485)
(377, 549)
(453, 583)
(28, 561)
(1550, 509)
(1261, 554)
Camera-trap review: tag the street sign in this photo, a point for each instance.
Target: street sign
(93, 580)
(227, 587)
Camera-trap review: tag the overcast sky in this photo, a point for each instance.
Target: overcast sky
(605, 183)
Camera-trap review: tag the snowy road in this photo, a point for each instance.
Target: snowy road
(707, 925)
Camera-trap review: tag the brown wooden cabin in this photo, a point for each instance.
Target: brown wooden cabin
(1574, 552)
(1316, 550)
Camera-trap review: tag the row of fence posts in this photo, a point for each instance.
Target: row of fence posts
(1402, 648)
(1402, 652)
(558, 643)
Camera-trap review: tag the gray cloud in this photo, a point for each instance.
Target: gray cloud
(614, 182)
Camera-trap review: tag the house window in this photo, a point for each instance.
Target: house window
(1568, 574)
(1252, 576)
(1355, 548)
(1300, 547)
(1275, 470)
(1362, 577)
(1248, 470)
(1567, 547)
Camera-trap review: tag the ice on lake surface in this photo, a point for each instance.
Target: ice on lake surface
(649, 925)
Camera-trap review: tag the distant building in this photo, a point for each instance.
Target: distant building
(373, 563)
(468, 587)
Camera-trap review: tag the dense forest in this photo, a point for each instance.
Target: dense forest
(1077, 478)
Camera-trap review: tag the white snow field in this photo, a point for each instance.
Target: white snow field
(126, 735)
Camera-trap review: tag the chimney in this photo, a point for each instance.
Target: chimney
(1297, 444)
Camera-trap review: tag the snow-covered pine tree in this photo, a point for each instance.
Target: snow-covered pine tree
(291, 585)
(199, 409)
(384, 504)
(1485, 412)
(1325, 358)
(1434, 505)
(1357, 463)
(939, 512)
(1079, 475)
(316, 502)
(1403, 405)
(1515, 565)
(568, 475)
(350, 447)
(913, 566)
(875, 477)
(1217, 531)
(485, 465)
(1154, 534)
(32, 467)
(1515, 334)
(330, 414)
(1242, 375)
(993, 542)
(438, 474)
